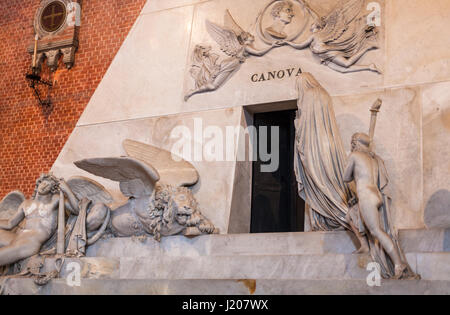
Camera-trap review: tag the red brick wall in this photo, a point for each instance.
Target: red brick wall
(30, 138)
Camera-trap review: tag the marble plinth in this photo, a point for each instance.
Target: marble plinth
(310, 243)
(229, 287)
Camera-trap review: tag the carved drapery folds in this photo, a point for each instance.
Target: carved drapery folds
(55, 22)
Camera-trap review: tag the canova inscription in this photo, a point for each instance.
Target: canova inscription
(276, 75)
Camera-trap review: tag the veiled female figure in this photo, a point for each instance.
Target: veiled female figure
(320, 157)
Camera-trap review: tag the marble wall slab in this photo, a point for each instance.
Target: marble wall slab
(213, 191)
(436, 154)
(146, 77)
(431, 266)
(417, 41)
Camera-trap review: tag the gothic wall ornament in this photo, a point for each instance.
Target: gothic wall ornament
(54, 24)
(339, 38)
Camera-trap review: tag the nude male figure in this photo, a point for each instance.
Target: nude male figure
(363, 168)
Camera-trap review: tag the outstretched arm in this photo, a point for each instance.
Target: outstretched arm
(254, 52)
(301, 45)
(14, 221)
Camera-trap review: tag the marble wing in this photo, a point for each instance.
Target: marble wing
(231, 24)
(84, 187)
(176, 173)
(226, 38)
(10, 204)
(137, 179)
(337, 22)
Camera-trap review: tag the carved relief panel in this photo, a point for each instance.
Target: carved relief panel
(55, 24)
(331, 36)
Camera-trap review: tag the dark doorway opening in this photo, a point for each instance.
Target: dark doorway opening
(276, 206)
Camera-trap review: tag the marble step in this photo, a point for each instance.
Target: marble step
(228, 287)
(311, 243)
(431, 266)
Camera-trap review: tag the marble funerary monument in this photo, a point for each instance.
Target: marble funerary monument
(360, 194)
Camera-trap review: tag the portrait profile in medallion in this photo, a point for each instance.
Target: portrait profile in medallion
(283, 20)
(282, 13)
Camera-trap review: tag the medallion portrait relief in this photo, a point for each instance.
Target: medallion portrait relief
(283, 20)
(282, 14)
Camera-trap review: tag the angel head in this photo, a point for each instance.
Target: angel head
(283, 11)
(46, 184)
(246, 39)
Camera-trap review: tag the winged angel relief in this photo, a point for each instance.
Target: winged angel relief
(210, 73)
(159, 204)
(339, 39)
(342, 37)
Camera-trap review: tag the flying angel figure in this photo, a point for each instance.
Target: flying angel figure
(342, 37)
(234, 42)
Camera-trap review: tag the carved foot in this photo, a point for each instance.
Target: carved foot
(400, 271)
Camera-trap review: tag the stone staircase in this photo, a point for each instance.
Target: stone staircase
(276, 263)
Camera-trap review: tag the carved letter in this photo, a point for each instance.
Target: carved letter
(280, 74)
(290, 71)
(272, 75)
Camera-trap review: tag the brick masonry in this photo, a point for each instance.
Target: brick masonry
(30, 137)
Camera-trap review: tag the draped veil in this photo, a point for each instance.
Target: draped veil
(320, 158)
